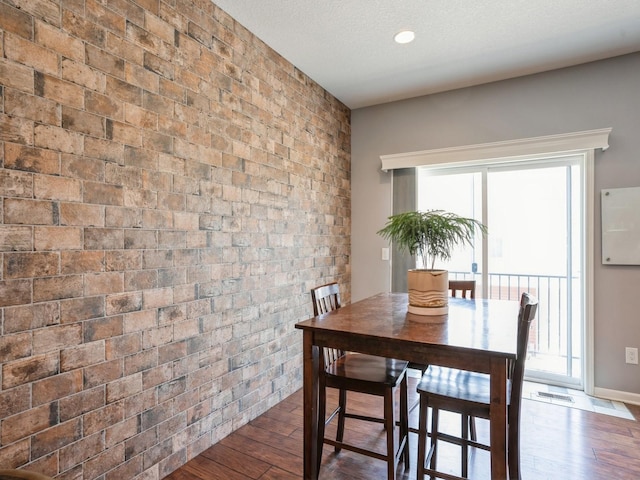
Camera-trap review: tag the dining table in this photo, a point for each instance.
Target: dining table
(478, 335)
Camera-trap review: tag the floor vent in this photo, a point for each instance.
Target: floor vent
(555, 396)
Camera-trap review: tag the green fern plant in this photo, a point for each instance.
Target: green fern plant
(431, 235)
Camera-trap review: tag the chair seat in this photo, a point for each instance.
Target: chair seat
(367, 368)
(452, 384)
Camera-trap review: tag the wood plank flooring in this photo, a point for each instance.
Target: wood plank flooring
(557, 443)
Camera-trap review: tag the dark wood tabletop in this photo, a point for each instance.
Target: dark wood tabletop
(482, 327)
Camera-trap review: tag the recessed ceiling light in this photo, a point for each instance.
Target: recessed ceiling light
(405, 36)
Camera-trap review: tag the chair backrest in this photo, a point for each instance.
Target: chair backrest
(528, 309)
(325, 298)
(464, 287)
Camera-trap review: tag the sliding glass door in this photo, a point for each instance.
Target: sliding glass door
(533, 211)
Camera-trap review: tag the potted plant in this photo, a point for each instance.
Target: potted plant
(430, 235)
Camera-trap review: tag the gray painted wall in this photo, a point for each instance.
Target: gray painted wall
(585, 97)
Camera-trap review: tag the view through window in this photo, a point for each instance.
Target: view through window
(533, 211)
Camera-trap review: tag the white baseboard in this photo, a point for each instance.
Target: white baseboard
(617, 395)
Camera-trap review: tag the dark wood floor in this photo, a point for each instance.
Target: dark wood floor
(557, 443)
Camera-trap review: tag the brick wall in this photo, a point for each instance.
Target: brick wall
(170, 190)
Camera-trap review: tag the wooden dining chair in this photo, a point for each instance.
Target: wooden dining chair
(468, 393)
(357, 372)
(467, 288)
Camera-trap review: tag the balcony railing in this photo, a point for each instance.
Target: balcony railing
(553, 340)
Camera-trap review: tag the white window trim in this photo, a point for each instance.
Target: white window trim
(487, 153)
(517, 150)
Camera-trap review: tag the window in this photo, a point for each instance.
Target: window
(546, 260)
(503, 155)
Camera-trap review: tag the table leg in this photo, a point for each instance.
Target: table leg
(311, 363)
(498, 420)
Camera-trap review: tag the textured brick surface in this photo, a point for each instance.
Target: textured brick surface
(170, 190)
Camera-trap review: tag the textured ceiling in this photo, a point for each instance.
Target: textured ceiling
(347, 45)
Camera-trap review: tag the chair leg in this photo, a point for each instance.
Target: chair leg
(322, 409)
(342, 403)
(434, 439)
(389, 422)
(472, 428)
(514, 455)
(404, 422)
(422, 436)
(422, 369)
(464, 457)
